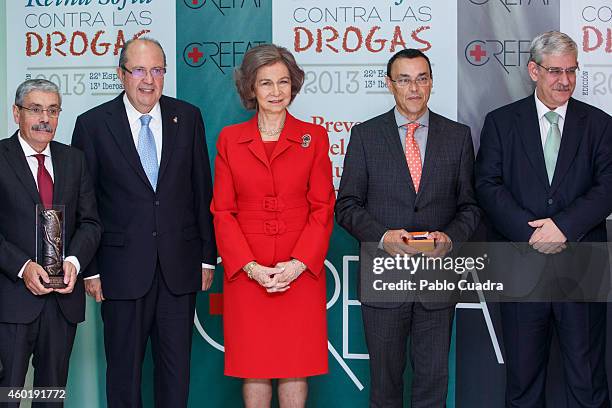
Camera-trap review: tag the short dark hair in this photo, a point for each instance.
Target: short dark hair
(260, 56)
(408, 53)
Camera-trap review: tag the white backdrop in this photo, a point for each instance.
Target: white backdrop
(77, 48)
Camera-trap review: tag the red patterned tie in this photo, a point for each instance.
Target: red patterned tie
(413, 155)
(45, 182)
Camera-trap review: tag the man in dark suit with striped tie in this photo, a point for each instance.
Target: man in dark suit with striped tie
(408, 170)
(35, 170)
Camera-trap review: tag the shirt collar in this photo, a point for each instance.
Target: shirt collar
(400, 120)
(543, 109)
(134, 116)
(28, 150)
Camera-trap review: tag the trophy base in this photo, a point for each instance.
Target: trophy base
(55, 282)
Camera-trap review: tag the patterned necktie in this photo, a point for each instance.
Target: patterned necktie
(45, 182)
(552, 144)
(413, 155)
(147, 150)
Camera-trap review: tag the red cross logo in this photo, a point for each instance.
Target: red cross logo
(478, 53)
(195, 53)
(194, 4)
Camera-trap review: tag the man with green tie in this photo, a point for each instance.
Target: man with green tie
(544, 177)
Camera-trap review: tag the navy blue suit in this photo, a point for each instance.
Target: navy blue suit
(153, 245)
(513, 188)
(42, 326)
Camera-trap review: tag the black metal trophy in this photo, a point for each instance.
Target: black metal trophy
(50, 231)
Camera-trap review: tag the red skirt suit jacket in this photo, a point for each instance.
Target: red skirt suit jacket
(271, 211)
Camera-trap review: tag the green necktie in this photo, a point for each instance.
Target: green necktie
(551, 146)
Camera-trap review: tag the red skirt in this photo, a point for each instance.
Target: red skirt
(275, 335)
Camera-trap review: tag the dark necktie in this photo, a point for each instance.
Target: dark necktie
(45, 182)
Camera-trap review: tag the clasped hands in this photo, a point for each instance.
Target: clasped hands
(394, 243)
(547, 237)
(279, 277)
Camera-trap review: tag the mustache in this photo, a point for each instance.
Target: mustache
(42, 127)
(562, 88)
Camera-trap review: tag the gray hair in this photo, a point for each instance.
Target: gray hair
(123, 53)
(35, 85)
(257, 57)
(551, 43)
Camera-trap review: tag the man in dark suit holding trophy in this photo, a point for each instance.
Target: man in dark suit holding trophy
(37, 318)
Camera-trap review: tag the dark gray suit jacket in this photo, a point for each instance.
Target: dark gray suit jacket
(377, 193)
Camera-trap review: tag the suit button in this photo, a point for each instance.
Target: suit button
(156, 203)
(154, 233)
(550, 201)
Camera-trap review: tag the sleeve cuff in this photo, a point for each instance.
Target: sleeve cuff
(20, 274)
(92, 277)
(208, 266)
(73, 260)
(381, 245)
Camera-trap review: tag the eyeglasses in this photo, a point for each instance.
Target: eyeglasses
(557, 71)
(420, 81)
(157, 72)
(53, 112)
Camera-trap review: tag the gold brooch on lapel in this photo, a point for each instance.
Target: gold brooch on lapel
(306, 140)
(175, 119)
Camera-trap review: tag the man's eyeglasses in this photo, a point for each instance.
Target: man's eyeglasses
(157, 72)
(53, 112)
(420, 81)
(557, 71)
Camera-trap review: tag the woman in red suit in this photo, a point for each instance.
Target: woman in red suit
(273, 212)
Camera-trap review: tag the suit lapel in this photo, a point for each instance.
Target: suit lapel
(527, 126)
(170, 125)
(433, 151)
(59, 173)
(391, 137)
(17, 160)
(119, 127)
(290, 135)
(256, 147)
(570, 140)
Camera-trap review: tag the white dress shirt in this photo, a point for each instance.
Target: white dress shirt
(544, 123)
(33, 164)
(155, 125)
